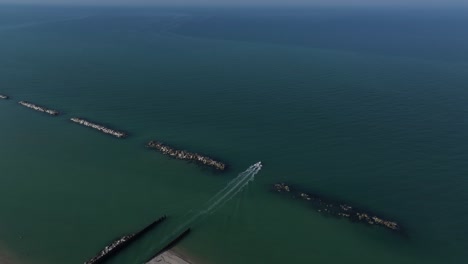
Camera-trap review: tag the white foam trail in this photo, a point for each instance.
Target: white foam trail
(235, 181)
(247, 177)
(224, 201)
(234, 187)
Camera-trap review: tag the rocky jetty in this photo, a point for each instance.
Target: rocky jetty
(3, 96)
(39, 108)
(103, 129)
(171, 244)
(338, 209)
(122, 242)
(185, 155)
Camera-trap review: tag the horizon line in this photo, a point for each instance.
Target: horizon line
(245, 5)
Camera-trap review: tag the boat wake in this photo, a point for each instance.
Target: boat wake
(234, 187)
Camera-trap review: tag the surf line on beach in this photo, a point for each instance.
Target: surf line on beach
(234, 187)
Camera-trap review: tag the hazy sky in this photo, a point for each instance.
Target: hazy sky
(244, 2)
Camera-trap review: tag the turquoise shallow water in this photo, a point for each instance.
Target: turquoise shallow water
(383, 130)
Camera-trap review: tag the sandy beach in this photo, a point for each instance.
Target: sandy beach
(8, 260)
(170, 257)
(7, 257)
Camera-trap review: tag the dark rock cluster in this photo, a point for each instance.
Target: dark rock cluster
(185, 155)
(338, 209)
(98, 127)
(120, 243)
(108, 250)
(39, 108)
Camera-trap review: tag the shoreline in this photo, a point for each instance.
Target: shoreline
(7, 257)
(172, 256)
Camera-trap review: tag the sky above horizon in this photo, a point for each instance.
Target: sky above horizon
(421, 3)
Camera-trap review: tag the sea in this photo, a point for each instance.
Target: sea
(362, 105)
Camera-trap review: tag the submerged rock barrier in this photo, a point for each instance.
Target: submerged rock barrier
(39, 108)
(3, 96)
(338, 209)
(185, 155)
(171, 244)
(122, 242)
(101, 128)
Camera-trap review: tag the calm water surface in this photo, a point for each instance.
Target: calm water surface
(366, 106)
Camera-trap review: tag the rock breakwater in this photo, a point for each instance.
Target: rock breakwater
(39, 108)
(103, 129)
(338, 209)
(186, 155)
(122, 242)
